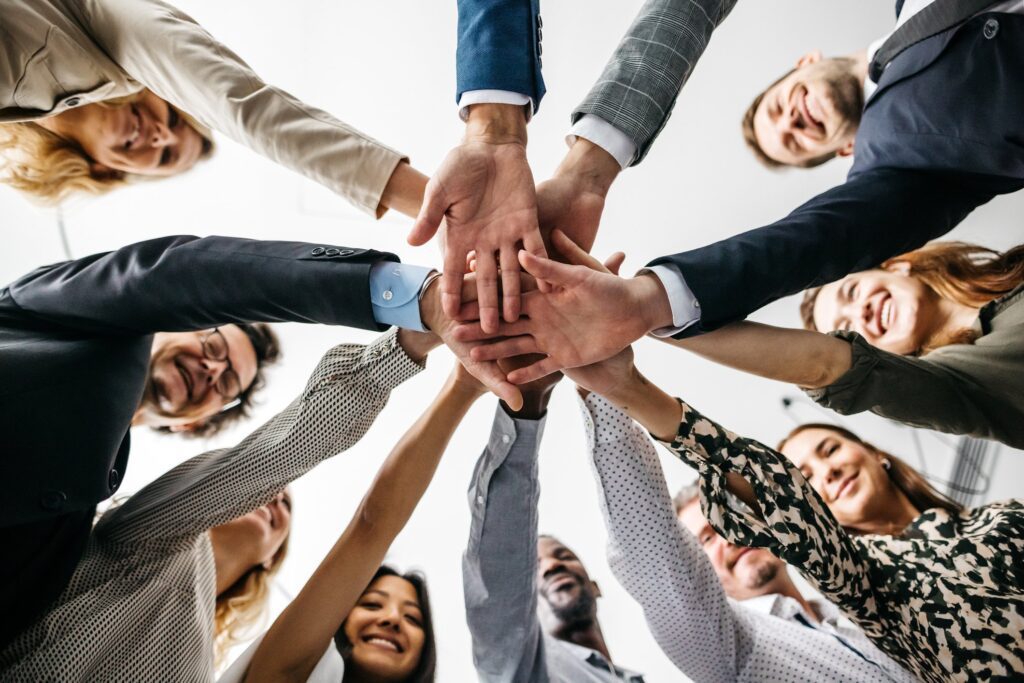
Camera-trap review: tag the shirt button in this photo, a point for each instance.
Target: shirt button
(479, 500)
(332, 252)
(696, 304)
(387, 295)
(74, 101)
(505, 438)
(991, 29)
(319, 251)
(53, 500)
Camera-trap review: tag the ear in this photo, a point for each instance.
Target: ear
(899, 267)
(597, 589)
(846, 150)
(809, 58)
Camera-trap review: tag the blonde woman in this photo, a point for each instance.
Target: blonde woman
(141, 604)
(100, 92)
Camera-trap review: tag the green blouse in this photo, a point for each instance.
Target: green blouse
(945, 598)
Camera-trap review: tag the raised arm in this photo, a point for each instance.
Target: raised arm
(164, 49)
(297, 640)
(655, 560)
(349, 387)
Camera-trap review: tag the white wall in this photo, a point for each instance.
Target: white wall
(388, 68)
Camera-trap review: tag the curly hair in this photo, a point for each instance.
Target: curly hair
(968, 274)
(51, 168)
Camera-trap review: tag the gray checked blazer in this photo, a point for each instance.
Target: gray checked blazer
(640, 83)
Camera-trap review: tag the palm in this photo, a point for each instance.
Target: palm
(562, 205)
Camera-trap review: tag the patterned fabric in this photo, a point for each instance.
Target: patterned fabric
(140, 604)
(640, 84)
(708, 637)
(945, 598)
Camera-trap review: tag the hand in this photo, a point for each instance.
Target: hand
(591, 314)
(444, 327)
(464, 381)
(572, 200)
(484, 190)
(606, 377)
(537, 393)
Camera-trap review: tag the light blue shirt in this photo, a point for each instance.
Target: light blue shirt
(395, 294)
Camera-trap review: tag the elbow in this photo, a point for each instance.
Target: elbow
(826, 365)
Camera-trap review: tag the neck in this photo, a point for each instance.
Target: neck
(860, 65)
(230, 566)
(892, 518)
(586, 634)
(951, 317)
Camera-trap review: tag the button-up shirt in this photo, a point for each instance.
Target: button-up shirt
(709, 637)
(499, 570)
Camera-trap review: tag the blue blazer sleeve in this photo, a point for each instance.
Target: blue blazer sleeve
(499, 47)
(186, 283)
(873, 216)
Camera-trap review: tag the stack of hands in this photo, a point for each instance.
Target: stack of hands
(503, 294)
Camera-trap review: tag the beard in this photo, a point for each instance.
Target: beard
(762, 575)
(578, 611)
(845, 90)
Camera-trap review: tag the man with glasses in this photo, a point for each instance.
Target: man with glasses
(168, 334)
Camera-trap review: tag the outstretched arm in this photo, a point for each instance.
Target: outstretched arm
(296, 641)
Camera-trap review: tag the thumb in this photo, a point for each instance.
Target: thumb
(614, 262)
(572, 252)
(430, 217)
(545, 269)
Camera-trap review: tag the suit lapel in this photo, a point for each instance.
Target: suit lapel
(912, 61)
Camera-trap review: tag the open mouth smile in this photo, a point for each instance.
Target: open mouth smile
(384, 643)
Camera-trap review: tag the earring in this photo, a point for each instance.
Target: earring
(886, 464)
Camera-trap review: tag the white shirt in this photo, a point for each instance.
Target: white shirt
(330, 668)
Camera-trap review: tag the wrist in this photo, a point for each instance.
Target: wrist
(417, 344)
(651, 300)
(462, 388)
(496, 124)
(430, 305)
(591, 166)
(404, 191)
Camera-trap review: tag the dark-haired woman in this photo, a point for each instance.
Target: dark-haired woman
(933, 338)
(142, 602)
(353, 621)
(93, 94)
(938, 588)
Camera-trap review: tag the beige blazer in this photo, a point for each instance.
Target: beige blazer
(59, 54)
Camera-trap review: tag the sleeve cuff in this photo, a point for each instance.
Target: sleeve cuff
(604, 135)
(685, 307)
(395, 294)
(494, 97)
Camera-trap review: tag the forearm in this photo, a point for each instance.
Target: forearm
(297, 639)
(404, 191)
(802, 357)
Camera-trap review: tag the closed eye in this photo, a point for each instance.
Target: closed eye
(165, 156)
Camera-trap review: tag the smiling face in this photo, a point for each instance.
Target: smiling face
(811, 113)
(146, 137)
(386, 631)
(181, 389)
(847, 474)
(891, 309)
(568, 595)
(744, 572)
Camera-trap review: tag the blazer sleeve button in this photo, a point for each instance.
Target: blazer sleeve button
(113, 479)
(319, 251)
(332, 252)
(991, 29)
(53, 500)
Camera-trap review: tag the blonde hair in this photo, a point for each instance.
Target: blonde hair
(51, 168)
(241, 608)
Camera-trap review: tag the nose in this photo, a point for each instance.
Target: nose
(161, 135)
(390, 618)
(213, 369)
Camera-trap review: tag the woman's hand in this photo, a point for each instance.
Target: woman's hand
(462, 381)
(609, 377)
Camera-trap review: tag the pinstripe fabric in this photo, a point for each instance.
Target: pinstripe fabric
(140, 604)
(640, 83)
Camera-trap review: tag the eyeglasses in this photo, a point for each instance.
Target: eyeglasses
(228, 385)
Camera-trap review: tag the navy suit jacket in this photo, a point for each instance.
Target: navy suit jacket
(500, 47)
(942, 134)
(75, 340)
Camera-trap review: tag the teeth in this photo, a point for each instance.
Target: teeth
(886, 313)
(381, 641)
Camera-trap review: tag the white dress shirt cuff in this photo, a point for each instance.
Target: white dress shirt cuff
(494, 97)
(604, 135)
(685, 307)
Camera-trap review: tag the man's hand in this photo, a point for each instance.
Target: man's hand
(537, 393)
(590, 314)
(486, 371)
(608, 377)
(572, 200)
(484, 191)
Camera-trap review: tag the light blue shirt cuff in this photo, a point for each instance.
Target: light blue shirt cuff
(685, 307)
(395, 294)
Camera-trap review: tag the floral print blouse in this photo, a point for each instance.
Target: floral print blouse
(945, 598)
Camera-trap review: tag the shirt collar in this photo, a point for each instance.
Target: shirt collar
(778, 605)
(597, 660)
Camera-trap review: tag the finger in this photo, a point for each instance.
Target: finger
(487, 291)
(430, 216)
(470, 310)
(471, 332)
(541, 368)
(572, 251)
(506, 348)
(510, 283)
(470, 260)
(534, 243)
(614, 262)
(494, 379)
(546, 269)
(451, 282)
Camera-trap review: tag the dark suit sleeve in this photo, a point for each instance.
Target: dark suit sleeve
(499, 47)
(185, 283)
(857, 225)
